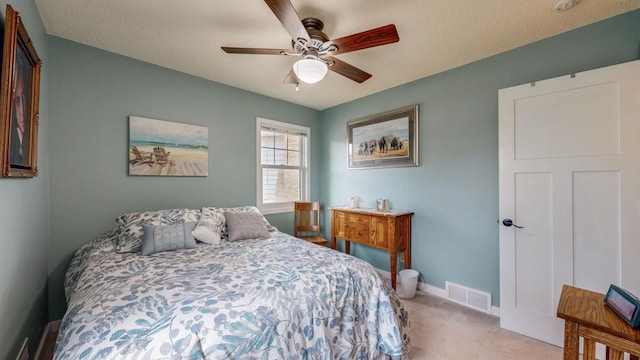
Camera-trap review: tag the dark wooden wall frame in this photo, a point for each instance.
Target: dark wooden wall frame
(17, 41)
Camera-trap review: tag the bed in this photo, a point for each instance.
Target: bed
(238, 290)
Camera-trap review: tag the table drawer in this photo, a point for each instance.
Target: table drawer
(358, 227)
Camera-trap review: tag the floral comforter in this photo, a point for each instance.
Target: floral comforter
(276, 298)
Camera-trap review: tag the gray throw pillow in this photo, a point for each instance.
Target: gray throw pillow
(246, 225)
(239, 209)
(157, 238)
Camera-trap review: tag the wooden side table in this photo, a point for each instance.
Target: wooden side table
(586, 315)
(386, 230)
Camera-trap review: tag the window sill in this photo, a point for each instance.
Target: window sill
(269, 210)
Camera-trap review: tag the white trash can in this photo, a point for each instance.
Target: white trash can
(408, 283)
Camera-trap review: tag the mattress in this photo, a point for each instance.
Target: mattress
(274, 298)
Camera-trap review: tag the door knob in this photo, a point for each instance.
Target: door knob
(509, 222)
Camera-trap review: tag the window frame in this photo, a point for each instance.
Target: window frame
(305, 168)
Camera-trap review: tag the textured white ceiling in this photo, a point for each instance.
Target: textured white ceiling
(435, 35)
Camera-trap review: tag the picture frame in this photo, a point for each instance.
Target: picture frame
(388, 139)
(19, 100)
(167, 148)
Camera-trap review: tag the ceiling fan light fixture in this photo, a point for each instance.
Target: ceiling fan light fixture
(310, 71)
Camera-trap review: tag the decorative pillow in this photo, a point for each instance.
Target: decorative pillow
(245, 225)
(159, 238)
(130, 225)
(241, 209)
(209, 227)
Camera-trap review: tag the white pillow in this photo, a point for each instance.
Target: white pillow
(210, 226)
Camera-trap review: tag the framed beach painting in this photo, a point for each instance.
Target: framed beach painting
(19, 101)
(389, 139)
(167, 148)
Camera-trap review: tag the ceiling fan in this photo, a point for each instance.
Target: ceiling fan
(316, 49)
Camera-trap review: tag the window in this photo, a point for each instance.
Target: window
(283, 165)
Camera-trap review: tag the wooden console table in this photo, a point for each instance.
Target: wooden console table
(385, 230)
(586, 315)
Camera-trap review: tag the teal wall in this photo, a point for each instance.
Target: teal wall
(454, 191)
(24, 222)
(95, 92)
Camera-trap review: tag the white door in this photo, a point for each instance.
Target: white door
(569, 162)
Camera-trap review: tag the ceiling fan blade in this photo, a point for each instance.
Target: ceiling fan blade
(240, 50)
(291, 78)
(375, 37)
(286, 13)
(347, 70)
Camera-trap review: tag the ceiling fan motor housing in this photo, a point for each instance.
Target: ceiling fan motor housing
(318, 38)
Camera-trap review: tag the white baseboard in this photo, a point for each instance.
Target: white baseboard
(425, 288)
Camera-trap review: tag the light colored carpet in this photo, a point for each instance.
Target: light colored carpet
(443, 330)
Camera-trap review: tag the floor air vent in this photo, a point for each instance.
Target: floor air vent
(475, 299)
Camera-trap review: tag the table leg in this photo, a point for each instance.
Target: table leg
(407, 241)
(347, 247)
(571, 341)
(394, 267)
